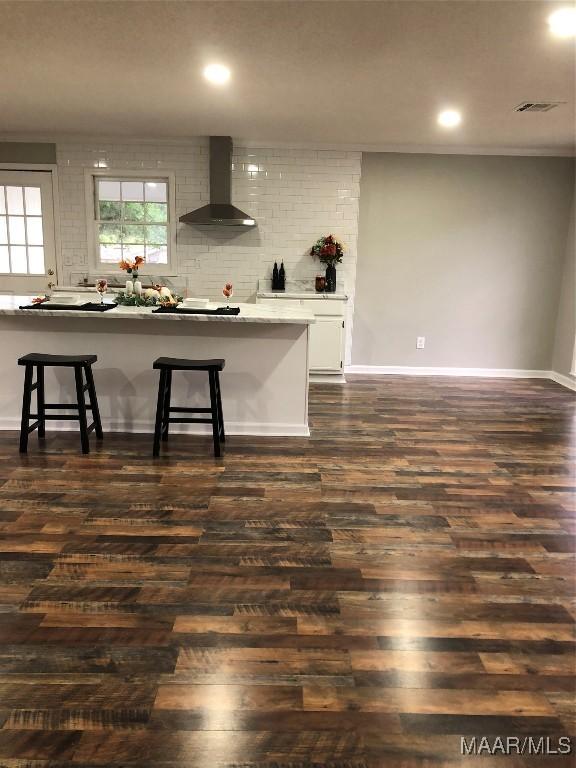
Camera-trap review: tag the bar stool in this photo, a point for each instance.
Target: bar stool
(79, 363)
(163, 409)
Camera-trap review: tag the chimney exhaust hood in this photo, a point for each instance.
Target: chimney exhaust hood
(219, 211)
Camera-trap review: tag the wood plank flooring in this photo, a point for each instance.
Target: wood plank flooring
(360, 599)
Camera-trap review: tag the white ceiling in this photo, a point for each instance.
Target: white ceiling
(358, 73)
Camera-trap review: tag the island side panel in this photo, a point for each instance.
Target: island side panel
(264, 383)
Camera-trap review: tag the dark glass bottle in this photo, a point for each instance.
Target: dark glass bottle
(275, 277)
(281, 278)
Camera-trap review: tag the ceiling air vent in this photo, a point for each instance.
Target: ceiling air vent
(537, 106)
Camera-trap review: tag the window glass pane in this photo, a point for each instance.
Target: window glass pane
(156, 211)
(133, 211)
(2, 201)
(156, 254)
(18, 259)
(110, 254)
(36, 260)
(110, 210)
(133, 233)
(3, 230)
(34, 230)
(33, 201)
(134, 217)
(132, 190)
(108, 190)
(4, 259)
(156, 191)
(15, 200)
(110, 233)
(156, 235)
(130, 252)
(16, 230)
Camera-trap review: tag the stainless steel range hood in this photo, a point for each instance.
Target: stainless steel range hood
(220, 211)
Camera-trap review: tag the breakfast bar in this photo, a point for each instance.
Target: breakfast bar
(264, 384)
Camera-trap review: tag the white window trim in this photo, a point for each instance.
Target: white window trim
(95, 266)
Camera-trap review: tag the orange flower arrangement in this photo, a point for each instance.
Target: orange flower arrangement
(131, 266)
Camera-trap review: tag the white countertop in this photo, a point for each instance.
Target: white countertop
(249, 313)
(301, 295)
(296, 289)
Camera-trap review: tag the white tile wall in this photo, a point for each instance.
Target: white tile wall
(296, 195)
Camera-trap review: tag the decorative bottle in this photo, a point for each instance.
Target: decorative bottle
(281, 278)
(275, 277)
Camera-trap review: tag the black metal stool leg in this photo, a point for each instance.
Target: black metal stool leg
(81, 409)
(166, 405)
(93, 401)
(41, 400)
(214, 409)
(220, 415)
(26, 400)
(159, 413)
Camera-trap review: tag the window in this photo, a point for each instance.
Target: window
(132, 217)
(21, 230)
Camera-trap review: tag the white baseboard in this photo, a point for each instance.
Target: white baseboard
(321, 378)
(487, 373)
(565, 381)
(147, 427)
(415, 370)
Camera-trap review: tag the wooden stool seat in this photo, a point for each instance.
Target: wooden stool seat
(179, 364)
(163, 408)
(39, 358)
(82, 364)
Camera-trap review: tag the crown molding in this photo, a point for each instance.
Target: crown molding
(428, 149)
(416, 149)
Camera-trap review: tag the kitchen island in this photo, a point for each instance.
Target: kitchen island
(264, 383)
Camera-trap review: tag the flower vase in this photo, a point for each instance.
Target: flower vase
(330, 278)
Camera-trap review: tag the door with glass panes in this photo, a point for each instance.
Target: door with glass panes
(27, 252)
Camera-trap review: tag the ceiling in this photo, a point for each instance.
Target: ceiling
(355, 73)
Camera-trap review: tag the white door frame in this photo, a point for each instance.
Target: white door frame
(52, 168)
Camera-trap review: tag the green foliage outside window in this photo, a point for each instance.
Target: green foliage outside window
(124, 225)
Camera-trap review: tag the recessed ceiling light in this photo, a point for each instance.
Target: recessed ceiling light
(217, 74)
(562, 22)
(449, 118)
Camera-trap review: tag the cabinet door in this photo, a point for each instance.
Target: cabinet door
(325, 352)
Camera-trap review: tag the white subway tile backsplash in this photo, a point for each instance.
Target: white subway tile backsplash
(296, 195)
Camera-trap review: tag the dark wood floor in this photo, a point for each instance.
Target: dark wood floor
(356, 600)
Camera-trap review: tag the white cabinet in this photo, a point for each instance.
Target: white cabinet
(325, 352)
(327, 335)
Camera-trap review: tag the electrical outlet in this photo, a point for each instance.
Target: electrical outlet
(420, 342)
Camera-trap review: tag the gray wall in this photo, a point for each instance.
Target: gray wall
(566, 321)
(467, 251)
(26, 152)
